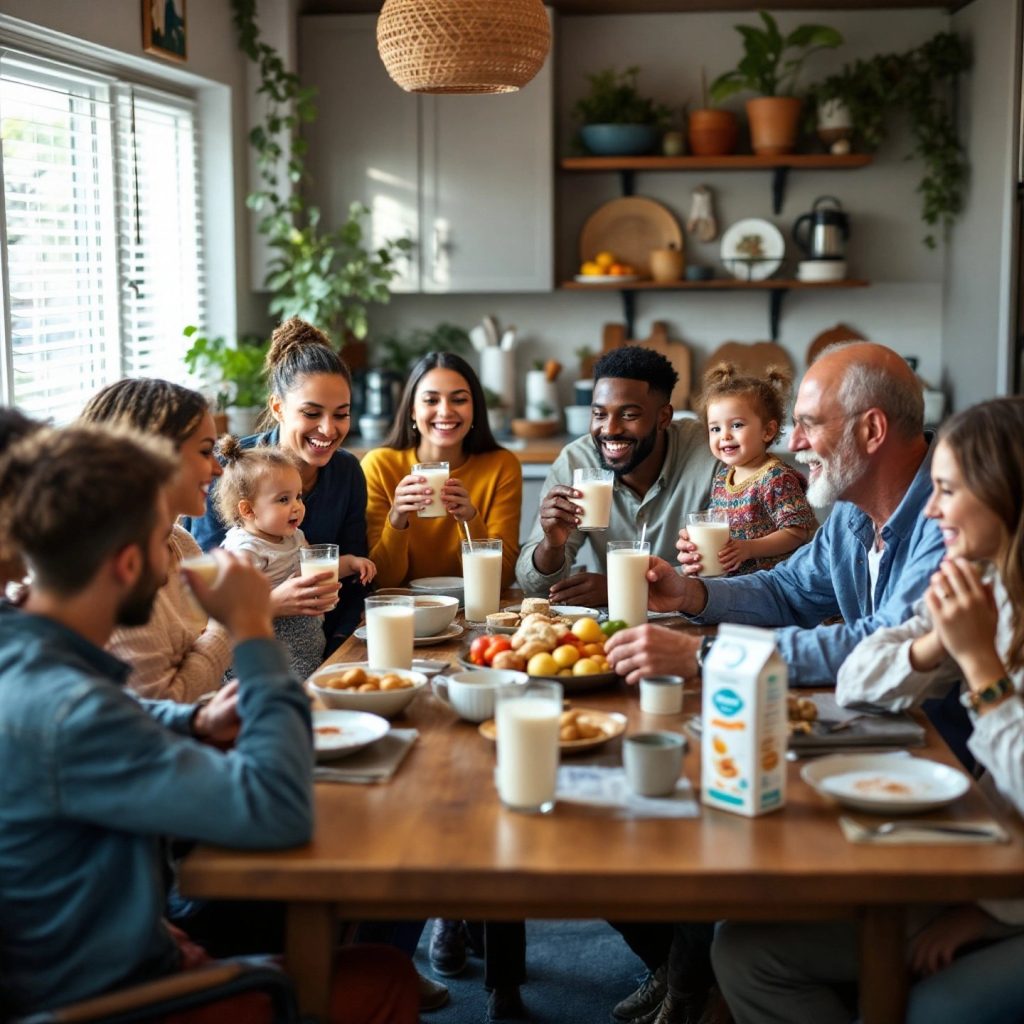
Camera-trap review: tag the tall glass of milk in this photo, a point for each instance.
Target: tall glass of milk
(596, 487)
(436, 474)
(526, 717)
(317, 558)
(709, 531)
(628, 562)
(481, 577)
(389, 630)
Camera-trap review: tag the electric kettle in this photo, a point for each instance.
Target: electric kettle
(822, 233)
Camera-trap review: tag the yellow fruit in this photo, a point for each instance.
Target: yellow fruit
(586, 667)
(591, 269)
(604, 260)
(565, 656)
(591, 649)
(542, 665)
(565, 671)
(588, 630)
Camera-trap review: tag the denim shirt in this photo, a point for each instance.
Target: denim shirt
(335, 514)
(829, 577)
(91, 778)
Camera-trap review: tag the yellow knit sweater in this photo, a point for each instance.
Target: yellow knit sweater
(431, 547)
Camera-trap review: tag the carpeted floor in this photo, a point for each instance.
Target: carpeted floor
(576, 972)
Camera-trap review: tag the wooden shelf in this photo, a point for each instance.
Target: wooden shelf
(775, 287)
(780, 166)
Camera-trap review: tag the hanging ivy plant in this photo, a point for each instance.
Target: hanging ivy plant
(327, 277)
(922, 83)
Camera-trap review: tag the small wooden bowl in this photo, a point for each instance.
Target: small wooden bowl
(535, 428)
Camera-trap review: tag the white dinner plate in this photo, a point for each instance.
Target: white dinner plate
(752, 249)
(886, 783)
(607, 278)
(340, 733)
(450, 633)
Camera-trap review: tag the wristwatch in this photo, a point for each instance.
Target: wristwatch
(976, 700)
(702, 651)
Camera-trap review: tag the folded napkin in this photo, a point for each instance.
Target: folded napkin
(839, 728)
(922, 831)
(375, 763)
(598, 786)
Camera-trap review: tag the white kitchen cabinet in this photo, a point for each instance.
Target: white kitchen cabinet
(469, 179)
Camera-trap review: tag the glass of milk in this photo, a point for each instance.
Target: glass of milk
(596, 487)
(317, 558)
(389, 630)
(436, 474)
(481, 577)
(526, 718)
(709, 531)
(628, 562)
(204, 566)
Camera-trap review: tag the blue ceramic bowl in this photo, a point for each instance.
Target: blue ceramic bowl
(619, 139)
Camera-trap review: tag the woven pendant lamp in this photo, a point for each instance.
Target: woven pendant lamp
(485, 46)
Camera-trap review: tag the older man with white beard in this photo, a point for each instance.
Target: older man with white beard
(858, 426)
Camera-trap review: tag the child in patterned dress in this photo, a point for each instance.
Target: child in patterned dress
(769, 517)
(260, 497)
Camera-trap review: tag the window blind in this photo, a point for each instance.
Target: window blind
(101, 239)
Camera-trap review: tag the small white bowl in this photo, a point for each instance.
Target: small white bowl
(577, 419)
(433, 613)
(447, 586)
(821, 270)
(386, 703)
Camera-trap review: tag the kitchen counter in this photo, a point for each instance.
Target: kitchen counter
(538, 451)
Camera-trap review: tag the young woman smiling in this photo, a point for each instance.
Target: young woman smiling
(180, 653)
(310, 406)
(442, 418)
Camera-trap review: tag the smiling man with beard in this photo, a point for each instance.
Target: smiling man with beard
(662, 468)
(858, 427)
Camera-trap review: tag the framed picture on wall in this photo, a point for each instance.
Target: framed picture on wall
(163, 28)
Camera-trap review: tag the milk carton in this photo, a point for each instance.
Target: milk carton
(743, 745)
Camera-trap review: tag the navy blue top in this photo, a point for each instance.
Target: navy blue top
(335, 514)
(93, 776)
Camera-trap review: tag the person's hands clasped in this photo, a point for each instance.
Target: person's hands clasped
(585, 588)
(455, 499)
(559, 514)
(239, 598)
(305, 595)
(964, 612)
(216, 722)
(651, 651)
(412, 494)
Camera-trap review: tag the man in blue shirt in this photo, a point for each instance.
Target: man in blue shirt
(93, 777)
(858, 426)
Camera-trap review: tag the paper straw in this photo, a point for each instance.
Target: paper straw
(643, 533)
(469, 540)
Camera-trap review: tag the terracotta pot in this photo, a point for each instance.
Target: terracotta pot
(666, 264)
(712, 132)
(774, 124)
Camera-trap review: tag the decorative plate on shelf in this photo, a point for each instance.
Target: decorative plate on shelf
(630, 228)
(753, 249)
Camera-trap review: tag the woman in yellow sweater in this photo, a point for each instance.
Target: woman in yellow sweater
(442, 418)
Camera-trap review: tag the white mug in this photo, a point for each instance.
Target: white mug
(471, 694)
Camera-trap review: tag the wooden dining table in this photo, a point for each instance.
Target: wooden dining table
(435, 841)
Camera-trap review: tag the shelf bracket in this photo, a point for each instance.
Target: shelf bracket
(775, 297)
(627, 182)
(629, 311)
(779, 176)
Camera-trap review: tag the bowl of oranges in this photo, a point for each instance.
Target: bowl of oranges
(604, 268)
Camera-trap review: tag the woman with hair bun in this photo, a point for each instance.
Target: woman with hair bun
(180, 653)
(310, 405)
(769, 517)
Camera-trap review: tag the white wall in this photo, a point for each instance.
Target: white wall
(217, 70)
(978, 299)
(902, 308)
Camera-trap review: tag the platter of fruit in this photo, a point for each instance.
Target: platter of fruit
(546, 648)
(579, 729)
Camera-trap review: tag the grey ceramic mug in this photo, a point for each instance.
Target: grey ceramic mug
(653, 761)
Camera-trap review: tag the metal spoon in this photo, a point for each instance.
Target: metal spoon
(888, 828)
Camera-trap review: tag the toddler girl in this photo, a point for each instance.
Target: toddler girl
(260, 497)
(768, 514)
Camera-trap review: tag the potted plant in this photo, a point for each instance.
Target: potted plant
(399, 350)
(711, 131)
(766, 69)
(617, 120)
(497, 412)
(233, 373)
(921, 83)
